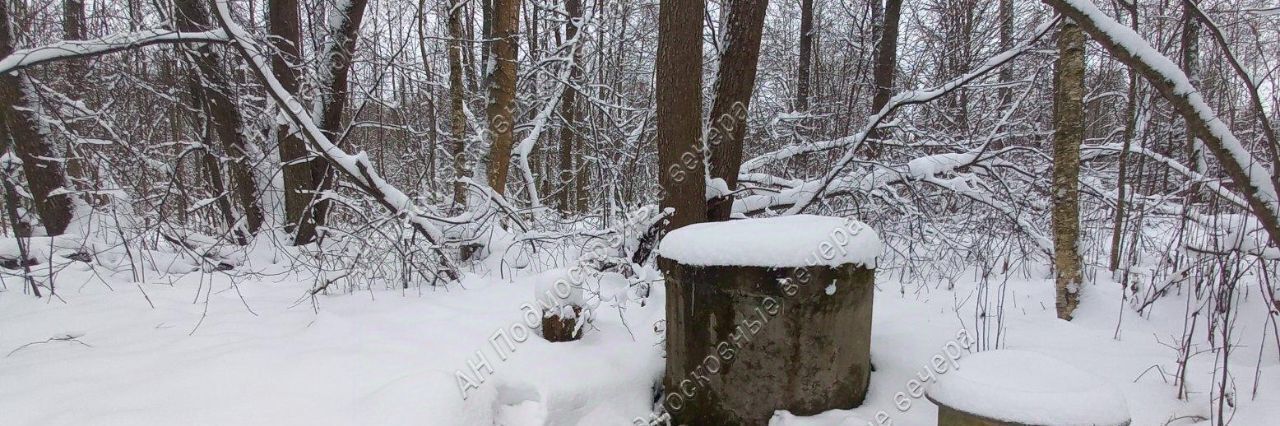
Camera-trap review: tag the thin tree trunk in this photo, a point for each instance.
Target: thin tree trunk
(887, 55)
(1122, 183)
(286, 41)
(457, 101)
(502, 92)
(573, 189)
(1005, 18)
(734, 84)
(679, 111)
(1190, 56)
(191, 15)
(806, 55)
(886, 66)
(40, 164)
(1068, 135)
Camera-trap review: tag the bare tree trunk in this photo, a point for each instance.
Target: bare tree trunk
(457, 101)
(1068, 135)
(735, 82)
(502, 92)
(81, 175)
(679, 111)
(573, 191)
(887, 55)
(286, 41)
(21, 230)
(886, 65)
(1005, 18)
(191, 15)
(1122, 176)
(335, 69)
(1190, 56)
(806, 55)
(40, 163)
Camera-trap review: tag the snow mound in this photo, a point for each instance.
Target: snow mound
(784, 242)
(1029, 388)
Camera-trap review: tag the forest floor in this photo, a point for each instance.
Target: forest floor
(202, 349)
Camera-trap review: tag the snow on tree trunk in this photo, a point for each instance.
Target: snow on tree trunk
(299, 187)
(457, 105)
(1251, 176)
(767, 314)
(1068, 135)
(502, 92)
(42, 166)
(734, 85)
(334, 69)
(212, 87)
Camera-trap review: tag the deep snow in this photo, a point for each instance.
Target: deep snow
(392, 357)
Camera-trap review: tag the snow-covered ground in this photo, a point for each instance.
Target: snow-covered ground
(198, 350)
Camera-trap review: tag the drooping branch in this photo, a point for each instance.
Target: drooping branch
(356, 167)
(1248, 173)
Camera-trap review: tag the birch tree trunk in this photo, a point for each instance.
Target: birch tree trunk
(1250, 176)
(1068, 134)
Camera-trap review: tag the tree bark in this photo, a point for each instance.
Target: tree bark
(1190, 44)
(1068, 135)
(1122, 175)
(1005, 18)
(572, 186)
(1252, 179)
(18, 124)
(299, 187)
(457, 102)
(502, 92)
(887, 55)
(886, 66)
(335, 69)
(734, 85)
(806, 55)
(681, 173)
(223, 113)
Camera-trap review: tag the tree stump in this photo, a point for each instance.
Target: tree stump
(560, 324)
(1023, 388)
(767, 314)
(560, 293)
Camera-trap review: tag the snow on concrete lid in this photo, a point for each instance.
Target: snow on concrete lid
(783, 241)
(1029, 388)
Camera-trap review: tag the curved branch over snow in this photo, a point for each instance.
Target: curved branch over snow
(357, 167)
(1256, 183)
(64, 50)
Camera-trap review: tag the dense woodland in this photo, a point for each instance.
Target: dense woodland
(402, 145)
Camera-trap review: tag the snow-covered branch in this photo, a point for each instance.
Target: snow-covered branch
(357, 167)
(1256, 183)
(63, 50)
